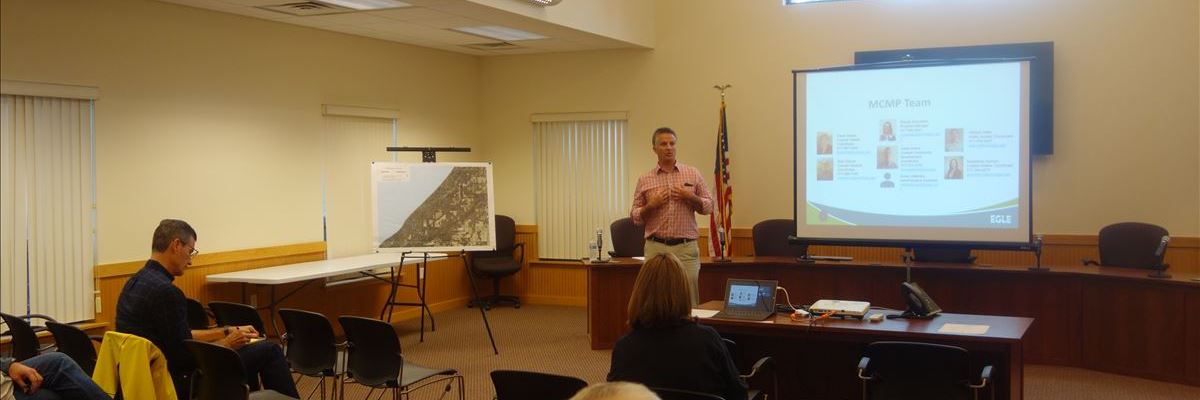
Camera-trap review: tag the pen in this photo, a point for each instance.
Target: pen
(687, 184)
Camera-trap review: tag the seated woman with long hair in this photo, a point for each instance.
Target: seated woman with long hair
(666, 348)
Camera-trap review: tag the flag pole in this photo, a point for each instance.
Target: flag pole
(719, 238)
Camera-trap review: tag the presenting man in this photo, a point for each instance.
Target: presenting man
(664, 202)
(153, 308)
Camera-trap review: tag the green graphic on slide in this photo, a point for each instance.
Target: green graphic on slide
(813, 216)
(997, 206)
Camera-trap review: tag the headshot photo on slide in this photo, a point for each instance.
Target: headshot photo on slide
(954, 167)
(954, 139)
(824, 143)
(825, 169)
(885, 157)
(886, 133)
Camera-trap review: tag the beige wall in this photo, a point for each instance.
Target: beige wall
(631, 21)
(216, 118)
(1126, 96)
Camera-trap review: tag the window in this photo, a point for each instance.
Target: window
(47, 200)
(581, 181)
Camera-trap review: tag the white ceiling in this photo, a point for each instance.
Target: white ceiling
(426, 23)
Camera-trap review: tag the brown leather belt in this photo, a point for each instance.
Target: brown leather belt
(671, 241)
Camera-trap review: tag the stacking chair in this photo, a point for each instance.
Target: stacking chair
(771, 239)
(221, 376)
(680, 394)
(498, 264)
(24, 336)
(197, 315)
(374, 359)
(236, 314)
(910, 370)
(1131, 245)
(75, 343)
(760, 371)
(312, 349)
(628, 239)
(518, 385)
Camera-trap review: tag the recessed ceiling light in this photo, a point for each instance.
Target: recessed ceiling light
(367, 4)
(499, 33)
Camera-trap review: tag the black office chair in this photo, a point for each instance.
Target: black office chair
(236, 314)
(497, 264)
(312, 349)
(762, 373)
(680, 394)
(75, 343)
(518, 385)
(24, 336)
(197, 315)
(771, 239)
(909, 370)
(1131, 245)
(628, 239)
(374, 359)
(220, 375)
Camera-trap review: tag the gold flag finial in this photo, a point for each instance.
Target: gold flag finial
(722, 89)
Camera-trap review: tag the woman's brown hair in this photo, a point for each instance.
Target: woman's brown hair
(660, 294)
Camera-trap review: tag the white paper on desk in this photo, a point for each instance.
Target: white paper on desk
(639, 258)
(699, 313)
(964, 329)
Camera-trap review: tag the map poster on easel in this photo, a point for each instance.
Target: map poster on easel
(432, 207)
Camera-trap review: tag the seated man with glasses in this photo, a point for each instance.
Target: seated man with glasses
(153, 308)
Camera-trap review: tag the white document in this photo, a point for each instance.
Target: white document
(639, 258)
(963, 329)
(698, 313)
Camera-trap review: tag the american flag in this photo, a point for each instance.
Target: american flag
(719, 223)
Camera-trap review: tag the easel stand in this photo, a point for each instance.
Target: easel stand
(475, 294)
(390, 305)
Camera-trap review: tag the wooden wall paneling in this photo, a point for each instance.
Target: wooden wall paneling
(557, 283)
(1053, 337)
(1109, 305)
(1192, 347)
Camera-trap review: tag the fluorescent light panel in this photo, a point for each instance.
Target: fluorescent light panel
(499, 33)
(363, 5)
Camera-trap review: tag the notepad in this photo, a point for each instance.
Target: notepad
(639, 258)
(964, 329)
(699, 313)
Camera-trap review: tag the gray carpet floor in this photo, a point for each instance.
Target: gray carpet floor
(554, 339)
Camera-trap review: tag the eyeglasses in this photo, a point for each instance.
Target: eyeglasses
(193, 252)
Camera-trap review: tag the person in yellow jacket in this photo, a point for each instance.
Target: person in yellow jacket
(152, 307)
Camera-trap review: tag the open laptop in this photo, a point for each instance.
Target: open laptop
(748, 299)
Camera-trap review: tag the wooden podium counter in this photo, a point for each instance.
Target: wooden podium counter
(1102, 318)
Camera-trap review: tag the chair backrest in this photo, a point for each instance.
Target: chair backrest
(910, 370)
(1131, 245)
(75, 343)
(771, 239)
(517, 385)
(628, 239)
(373, 355)
(680, 394)
(219, 372)
(506, 234)
(236, 314)
(311, 346)
(24, 339)
(197, 316)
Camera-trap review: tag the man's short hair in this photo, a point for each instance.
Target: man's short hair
(615, 391)
(171, 229)
(654, 137)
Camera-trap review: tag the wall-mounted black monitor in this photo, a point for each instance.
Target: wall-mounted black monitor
(1041, 77)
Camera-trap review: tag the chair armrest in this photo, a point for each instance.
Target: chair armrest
(1088, 261)
(862, 367)
(96, 338)
(520, 245)
(984, 377)
(760, 365)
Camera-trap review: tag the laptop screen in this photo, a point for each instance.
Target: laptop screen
(750, 294)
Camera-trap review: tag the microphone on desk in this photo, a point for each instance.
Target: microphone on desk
(1160, 270)
(1162, 246)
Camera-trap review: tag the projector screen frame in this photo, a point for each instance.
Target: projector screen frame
(907, 243)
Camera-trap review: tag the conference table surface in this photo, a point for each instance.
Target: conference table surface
(1108, 319)
(311, 270)
(1000, 345)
